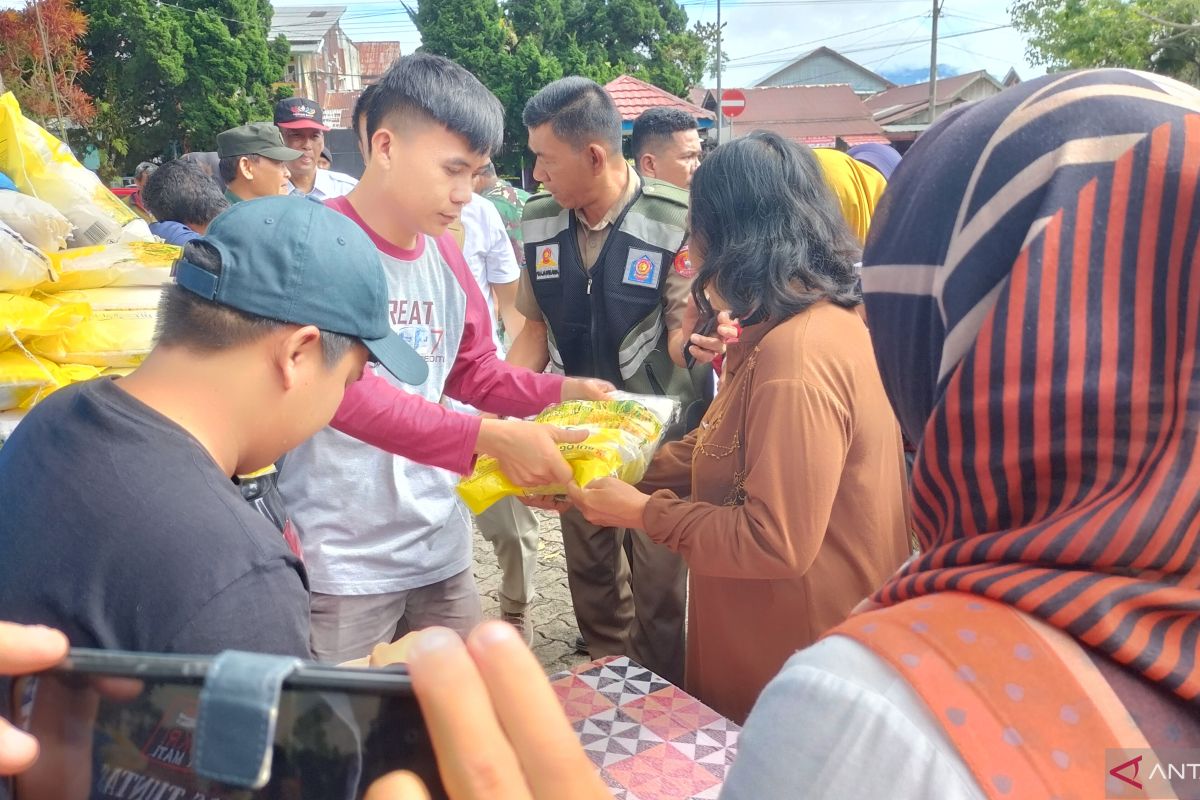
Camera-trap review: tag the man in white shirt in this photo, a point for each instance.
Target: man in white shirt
(510, 526)
(301, 122)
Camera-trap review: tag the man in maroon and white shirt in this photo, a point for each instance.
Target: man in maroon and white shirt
(386, 541)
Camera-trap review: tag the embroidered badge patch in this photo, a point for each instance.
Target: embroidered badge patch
(642, 268)
(547, 262)
(683, 263)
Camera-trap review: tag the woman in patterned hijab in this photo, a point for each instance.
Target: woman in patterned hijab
(1033, 284)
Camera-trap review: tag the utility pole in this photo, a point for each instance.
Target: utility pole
(720, 132)
(937, 12)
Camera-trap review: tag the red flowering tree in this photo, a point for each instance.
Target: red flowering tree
(40, 58)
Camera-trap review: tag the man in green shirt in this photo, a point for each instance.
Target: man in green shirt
(509, 201)
(253, 162)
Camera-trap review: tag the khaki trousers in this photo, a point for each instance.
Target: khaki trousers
(512, 530)
(630, 595)
(346, 627)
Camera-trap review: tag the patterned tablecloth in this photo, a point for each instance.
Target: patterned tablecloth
(650, 739)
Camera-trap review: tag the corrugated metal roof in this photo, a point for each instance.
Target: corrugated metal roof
(833, 54)
(633, 96)
(304, 23)
(905, 101)
(375, 57)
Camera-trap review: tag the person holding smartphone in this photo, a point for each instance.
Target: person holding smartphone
(788, 501)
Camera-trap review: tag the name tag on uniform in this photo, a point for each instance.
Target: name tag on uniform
(547, 262)
(642, 268)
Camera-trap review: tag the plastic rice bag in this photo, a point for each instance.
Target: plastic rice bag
(624, 433)
(22, 266)
(128, 264)
(119, 332)
(25, 317)
(36, 220)
(43, 167)
(25, 380)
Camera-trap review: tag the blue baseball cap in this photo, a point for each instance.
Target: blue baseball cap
(294, 260)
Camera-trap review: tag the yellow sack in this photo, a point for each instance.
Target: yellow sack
(23, 317)
(22, 266)
(26, 380)
(43, 167)
(118, 333)
(129, 264)
(624, 433)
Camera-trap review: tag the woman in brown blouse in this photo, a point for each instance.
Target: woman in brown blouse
(788, 502)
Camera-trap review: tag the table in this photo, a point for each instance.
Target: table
(649, 739)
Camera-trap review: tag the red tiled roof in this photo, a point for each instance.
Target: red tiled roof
(375, 57)
(809, 114)
(634, 96)
(917, 93)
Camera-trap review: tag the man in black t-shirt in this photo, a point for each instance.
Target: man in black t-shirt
(120, 524)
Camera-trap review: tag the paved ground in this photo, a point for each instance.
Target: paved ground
(554, 629)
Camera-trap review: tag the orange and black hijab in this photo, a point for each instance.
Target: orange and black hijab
(1033, 284)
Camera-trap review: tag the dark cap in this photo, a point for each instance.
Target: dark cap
(255, 139)
(299, 112)
(293, 260)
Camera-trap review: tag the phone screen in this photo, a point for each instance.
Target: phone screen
(109, 737)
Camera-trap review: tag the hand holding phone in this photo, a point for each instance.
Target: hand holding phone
(496, 725)
(24, 649)
(111, 723)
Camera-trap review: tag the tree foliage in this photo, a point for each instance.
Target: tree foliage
(171, 77)
(40, 58)
(1160, 36)
(518, 48)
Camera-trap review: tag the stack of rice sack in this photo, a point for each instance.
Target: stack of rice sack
(80, 274)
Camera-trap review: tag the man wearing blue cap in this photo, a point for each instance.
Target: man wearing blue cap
(122, 526)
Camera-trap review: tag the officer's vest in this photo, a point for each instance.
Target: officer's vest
(609, 323)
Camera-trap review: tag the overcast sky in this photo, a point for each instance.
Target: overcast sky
(887, 36)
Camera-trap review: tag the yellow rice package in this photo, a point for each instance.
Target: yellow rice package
(24, 317)
(127, 264)
(22, 266)
(43, 167)
(119, 332)
(624, 433)
(25, 380)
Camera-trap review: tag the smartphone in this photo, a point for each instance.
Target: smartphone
(706, 326)
(119, 726)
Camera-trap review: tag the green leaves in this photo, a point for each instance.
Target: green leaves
(169, 79)
(518, 48)
(1157, 35)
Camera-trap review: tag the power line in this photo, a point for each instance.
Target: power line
(823, 39)
(878, 46)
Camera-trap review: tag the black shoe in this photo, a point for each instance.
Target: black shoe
(581, 646)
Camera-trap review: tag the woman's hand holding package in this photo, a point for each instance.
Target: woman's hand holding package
(610, 503)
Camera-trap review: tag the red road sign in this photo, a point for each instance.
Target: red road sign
(733, 102)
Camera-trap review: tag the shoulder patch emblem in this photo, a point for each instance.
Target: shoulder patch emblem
(547, 262)
(683, 263)
(642, 268)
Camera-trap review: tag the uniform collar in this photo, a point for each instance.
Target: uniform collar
(631, 189)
